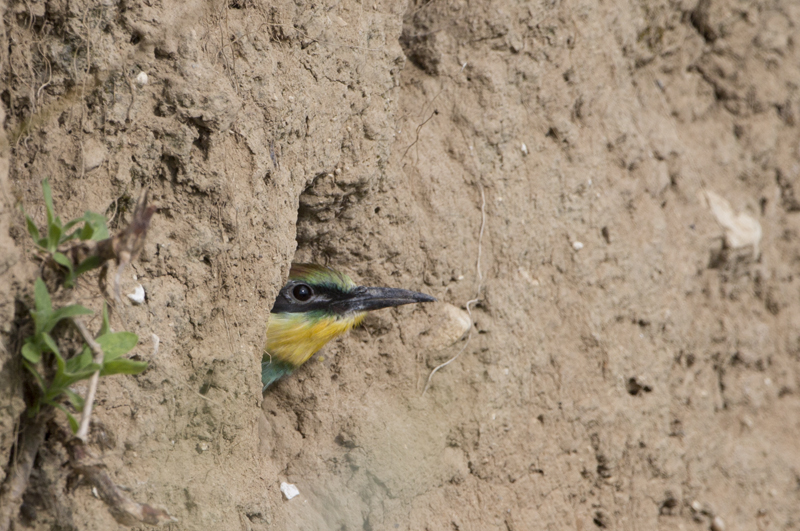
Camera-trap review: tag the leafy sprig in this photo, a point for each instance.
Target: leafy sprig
(94, 228)
(38, 348)
(78, 367)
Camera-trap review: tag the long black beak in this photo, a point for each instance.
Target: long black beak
(364, 299)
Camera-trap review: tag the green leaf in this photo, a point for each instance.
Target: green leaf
(36, 374)
(71, 311)
(63, 380)
(62, 259)
(95, 228)
(41, 297)
(123, 366)
(86, 232)
(31, 352)
(105, 327)
(53, 235)
(48, 341)
(44, 307)
(116, 344)
(54, 391)
(48, 202)
(32, 229)
(72, 223)
(81, 361)
(93, 262)
(40, 320)
(60, 363)
(73, 424)
(67, 236)
(62, 313)
(75, 399)
(69, 280)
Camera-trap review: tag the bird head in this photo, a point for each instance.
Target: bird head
(316, 305)
(318, 289)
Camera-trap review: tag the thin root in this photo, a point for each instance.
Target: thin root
(477, 293)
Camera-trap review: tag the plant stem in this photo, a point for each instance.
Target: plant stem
(124, 510)
(21, 465)
(88, 404)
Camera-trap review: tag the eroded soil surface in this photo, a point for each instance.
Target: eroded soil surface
(634, 361)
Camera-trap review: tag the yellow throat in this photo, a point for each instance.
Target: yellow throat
(295, 337)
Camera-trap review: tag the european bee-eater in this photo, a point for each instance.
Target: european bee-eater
(316, 305)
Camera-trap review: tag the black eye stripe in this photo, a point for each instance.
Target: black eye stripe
(321, 297)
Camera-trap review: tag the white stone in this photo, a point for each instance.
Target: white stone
(138, 295)
(142, 79)
(577, 246)
(451, 325)
(741, 229)
(289, 490)
(94, 154)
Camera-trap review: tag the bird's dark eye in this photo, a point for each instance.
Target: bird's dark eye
(302, 292)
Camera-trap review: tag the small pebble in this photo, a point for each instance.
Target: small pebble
(524, 149)
(577, 246)
(717, 524)
(446, 325)
(142, 79)
(138, 295)
(289, 490)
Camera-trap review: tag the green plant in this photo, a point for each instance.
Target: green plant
(55, 373)
(38, 348)
(94, 228)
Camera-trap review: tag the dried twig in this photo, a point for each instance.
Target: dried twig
(130, 242)
(124, 510)
(124, 247)
(88, 404)
(16, 482)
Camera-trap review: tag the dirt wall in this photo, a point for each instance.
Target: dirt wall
(612, 184)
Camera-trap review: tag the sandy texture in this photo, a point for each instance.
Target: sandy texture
(633, 364)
